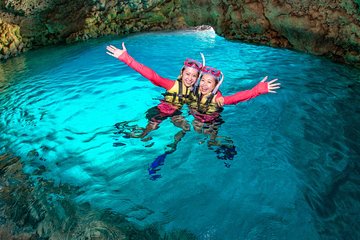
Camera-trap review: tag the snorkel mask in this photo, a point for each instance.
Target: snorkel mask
(193, 64)
(217, 74)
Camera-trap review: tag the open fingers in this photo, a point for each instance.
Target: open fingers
(111, 54)
(264, 79)
(123, 46)
(274, 84)
(274, 87)
(274, 80)
(111, 48)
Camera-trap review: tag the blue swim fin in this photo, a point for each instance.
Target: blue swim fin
(154, 167)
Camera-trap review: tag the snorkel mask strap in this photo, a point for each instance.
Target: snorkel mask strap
(218, 85)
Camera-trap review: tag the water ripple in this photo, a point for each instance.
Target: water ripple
(295, 170)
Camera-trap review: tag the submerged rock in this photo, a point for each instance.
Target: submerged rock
(34, 208)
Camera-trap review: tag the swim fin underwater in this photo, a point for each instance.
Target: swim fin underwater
(154, 167)
(160, 160)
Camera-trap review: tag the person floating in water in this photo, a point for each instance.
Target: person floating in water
(206, 113)
(204, 108)
(178, 92)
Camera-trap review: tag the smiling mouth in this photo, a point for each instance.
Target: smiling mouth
(204, 89)
(191, 81)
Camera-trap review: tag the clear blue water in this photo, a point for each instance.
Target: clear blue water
(296, 172)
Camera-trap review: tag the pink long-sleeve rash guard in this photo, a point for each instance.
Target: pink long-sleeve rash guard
(147, 72)
(242, 96)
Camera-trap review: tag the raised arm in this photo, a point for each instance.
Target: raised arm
(261, 88)
(145, 71)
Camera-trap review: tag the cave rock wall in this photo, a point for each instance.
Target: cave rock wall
(328, 28)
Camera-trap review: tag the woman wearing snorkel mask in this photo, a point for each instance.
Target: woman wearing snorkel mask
(178, 92)
(207, 114)
(204, 108)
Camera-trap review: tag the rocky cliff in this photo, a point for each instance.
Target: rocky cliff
(329, 28)
(322, 27)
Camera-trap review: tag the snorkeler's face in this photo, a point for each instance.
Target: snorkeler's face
(189, 76)
(207, 84)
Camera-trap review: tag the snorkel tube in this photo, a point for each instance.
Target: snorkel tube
(196, 85)
(218, 85)
(203, 59)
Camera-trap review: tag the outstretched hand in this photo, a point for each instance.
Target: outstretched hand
(115, 52)
(272, 85)
(220, 101)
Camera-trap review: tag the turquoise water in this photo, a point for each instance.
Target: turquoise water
(296, 171)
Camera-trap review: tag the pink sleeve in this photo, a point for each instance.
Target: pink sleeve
(218, 95)
(146, 72)
(260, 88)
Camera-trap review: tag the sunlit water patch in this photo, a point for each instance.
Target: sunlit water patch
(293, 171)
